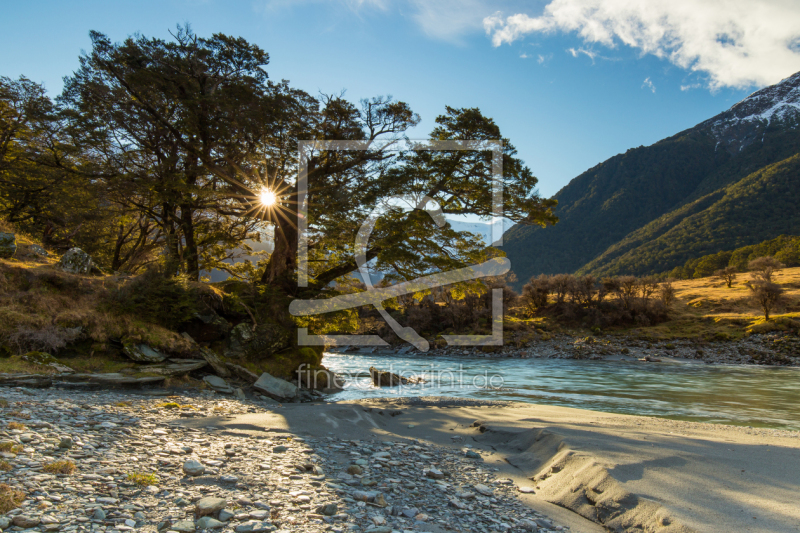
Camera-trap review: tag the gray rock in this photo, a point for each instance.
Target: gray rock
(275, 388)
(5, 522)
(66, 443)
(265, 340)
(253, 526)
(469, 454)
(175, 368)
(228, 478)
(279, 449)
(8, 245)
(142, 353)
(207, 522)
(183, 526)
(380, 529)
(26, 521)
(216, 363)
(209, 505)
(45, 359)
(193, 468)
(225, 515)
(218, 384)
(76, 261)
(38, 250)
(328, 509)
(239, 394)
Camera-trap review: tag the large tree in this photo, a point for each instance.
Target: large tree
(195, 129)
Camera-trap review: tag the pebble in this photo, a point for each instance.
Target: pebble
(207, 480)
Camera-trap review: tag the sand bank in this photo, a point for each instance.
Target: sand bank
(627, 473)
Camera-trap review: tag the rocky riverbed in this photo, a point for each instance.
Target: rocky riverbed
(782, 349)
(114, 461)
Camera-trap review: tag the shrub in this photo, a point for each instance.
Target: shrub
(535, 293)
(143, 480)
(49, 338)
(156, 297)
(63, 466)
(5, 466)
(10, 498)
(9, 447)
(666, 292)
(16, 425)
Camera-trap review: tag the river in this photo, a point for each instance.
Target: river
(757, 396)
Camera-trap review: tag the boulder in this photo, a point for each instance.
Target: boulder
(209, 505)
(142, 353)
(111, 379)
(209, 523)
(8, 245)
(25, 521)
(76, 261)
(38, 250)
(216, 363)
(275, 388)
(45, 359)
(218, 384)
(247, 342)
(381, 378)
(207, 326)
(242, 373)
(193, 468)
(176, 367)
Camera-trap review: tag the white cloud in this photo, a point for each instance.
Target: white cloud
(578, 51)
(449, 20)
(649, 84)
(735, 43)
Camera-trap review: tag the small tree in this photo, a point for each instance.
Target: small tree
(766, 295)
(560, 286)
(628, 286)
(646, 287)
(727, 274)
(535, 293)
(666, 292)
(762, 268)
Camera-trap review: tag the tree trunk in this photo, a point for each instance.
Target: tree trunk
(189, 244)
(282, 267)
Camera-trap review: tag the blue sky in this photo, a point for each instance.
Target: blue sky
(570, 87)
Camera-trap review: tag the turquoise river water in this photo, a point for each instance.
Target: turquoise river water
(726, 394)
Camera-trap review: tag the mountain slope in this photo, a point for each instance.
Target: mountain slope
(615, 208)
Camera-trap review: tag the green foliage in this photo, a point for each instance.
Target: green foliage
(156, 297)
(652, 208)
(758, 207)
(785, 249)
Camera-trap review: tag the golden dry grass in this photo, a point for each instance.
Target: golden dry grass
(142, 479)
(5, 466)
(63, 466)
(10, 498)
(16, 425)
(35, 296)
(706, 307)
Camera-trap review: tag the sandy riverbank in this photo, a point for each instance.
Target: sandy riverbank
(622, 471)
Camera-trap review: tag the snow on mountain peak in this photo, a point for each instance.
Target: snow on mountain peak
(744, 123)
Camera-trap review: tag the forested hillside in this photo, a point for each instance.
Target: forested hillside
(730, 181)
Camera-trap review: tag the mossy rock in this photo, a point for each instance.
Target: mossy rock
(45, 359)
(245, 342)
(8, 245)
